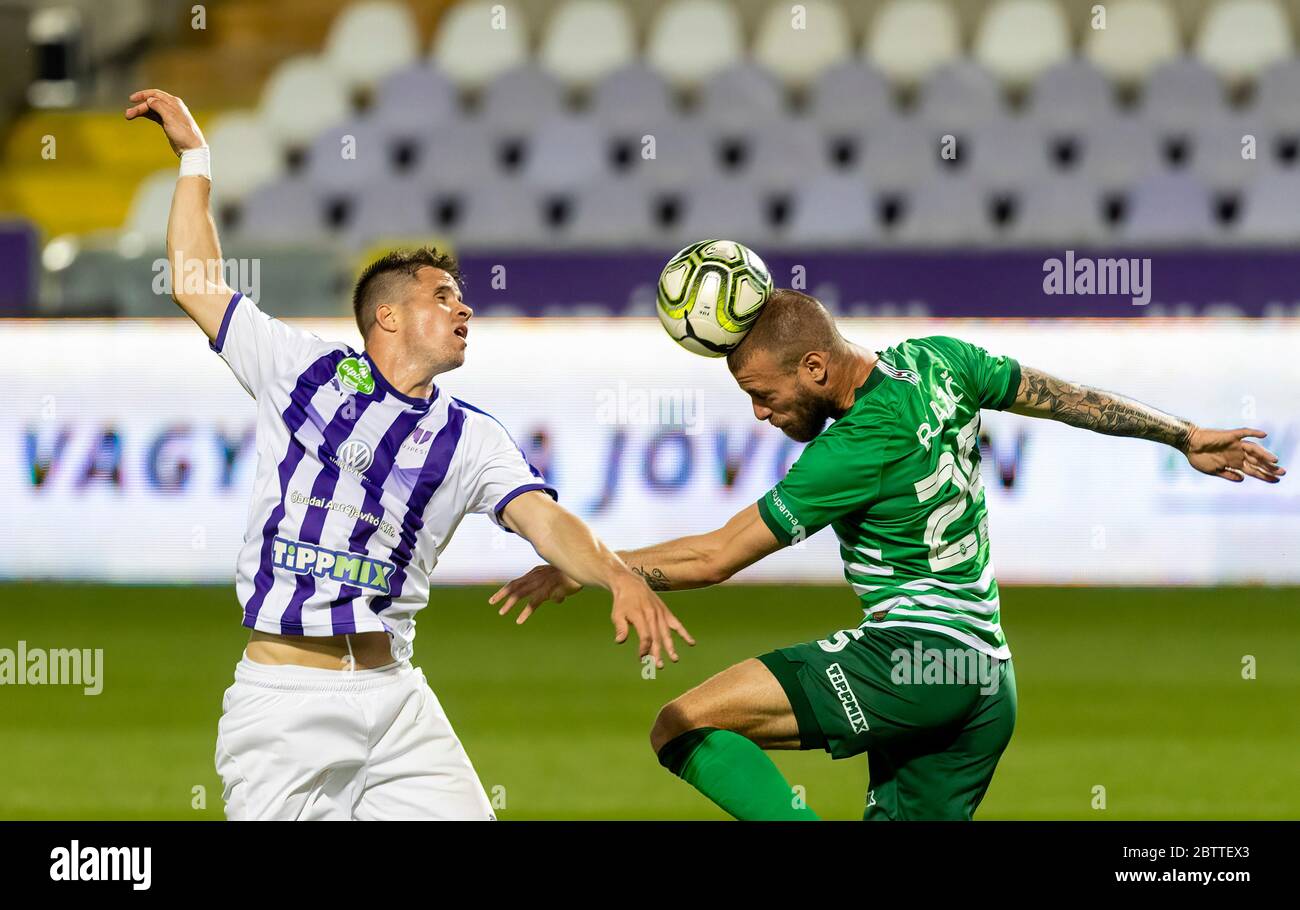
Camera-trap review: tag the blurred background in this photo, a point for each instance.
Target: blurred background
(921, 166)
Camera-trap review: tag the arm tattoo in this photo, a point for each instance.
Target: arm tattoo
(655, 579)
(1042, 395)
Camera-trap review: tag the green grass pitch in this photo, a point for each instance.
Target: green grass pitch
(1138, 691)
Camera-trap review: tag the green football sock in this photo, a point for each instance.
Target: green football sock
(735, 773)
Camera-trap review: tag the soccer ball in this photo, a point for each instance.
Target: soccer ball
(710, 294)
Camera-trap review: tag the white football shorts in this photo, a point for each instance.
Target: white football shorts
(300, 743)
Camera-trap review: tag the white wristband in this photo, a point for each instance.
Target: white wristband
(196, 162)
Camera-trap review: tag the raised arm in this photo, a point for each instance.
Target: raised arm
(1222, 453)
(565, 541)
(193, 250)
(687, 562)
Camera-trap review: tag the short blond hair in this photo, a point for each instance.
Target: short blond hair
(790, 325)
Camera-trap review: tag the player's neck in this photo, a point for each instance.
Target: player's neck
(859, 363)
(406, 374)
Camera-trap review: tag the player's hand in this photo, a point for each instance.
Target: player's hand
(1231, 455)
(637, 606)
(171, 113)
(534, 588)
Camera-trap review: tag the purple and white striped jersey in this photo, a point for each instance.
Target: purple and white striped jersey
(358, 487)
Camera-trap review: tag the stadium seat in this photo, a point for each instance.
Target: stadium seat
(520, 100)
(848, 97)
(1178, 95)
(302, 97)
(1270, 211)
(798, 42)
(478, 40)
(412, 101)
(945, 212)
(498, 215)
(909, 38)
(389, 210)
(832, 210)
(466, 156)
(369, 40)
(1058, 211)
(612, 213)
(1069, 95)
(690, 40)
(722, 207)
(1139, 36)
(1239, 38)
(959, 96)
(151, 205)
(739, 97)
(897, 153)
(779, 154)
(631, 97)
(245, 156)
(1019, 39)
(1277, 95)
(568, 52)
(1114, 153)
(1216, 152)
(564, 153)
(682, 153)
(349, 156)
(1004, 152)
(285, 211)
(1168, 209)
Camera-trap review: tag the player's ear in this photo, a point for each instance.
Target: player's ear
(814, 364)
(386, 317)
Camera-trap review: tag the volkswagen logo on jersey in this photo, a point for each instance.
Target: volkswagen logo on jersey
(354, 456)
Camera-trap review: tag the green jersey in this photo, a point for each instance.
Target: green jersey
(898, 478)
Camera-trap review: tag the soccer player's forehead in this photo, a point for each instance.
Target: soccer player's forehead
(756, 372)
(437, 280)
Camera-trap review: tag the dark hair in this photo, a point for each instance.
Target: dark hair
(389, 272)
(790, 325)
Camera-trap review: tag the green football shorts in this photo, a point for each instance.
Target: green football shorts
(932, 714)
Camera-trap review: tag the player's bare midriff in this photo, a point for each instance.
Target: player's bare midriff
(327, 652)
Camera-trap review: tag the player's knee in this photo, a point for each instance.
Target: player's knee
(673, 720)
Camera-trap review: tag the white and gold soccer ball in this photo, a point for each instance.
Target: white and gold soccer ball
(710, 293)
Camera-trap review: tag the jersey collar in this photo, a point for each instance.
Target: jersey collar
(874, 378)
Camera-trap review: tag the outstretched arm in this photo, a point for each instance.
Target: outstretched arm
(687, 562)
(573, 551)
(704, 559)
(1223, 453)
(193, 250)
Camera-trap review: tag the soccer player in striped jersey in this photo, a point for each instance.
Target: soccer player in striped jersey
(924, 684)
(364, 470)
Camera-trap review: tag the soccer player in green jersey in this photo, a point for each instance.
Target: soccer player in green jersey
(924, 685)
